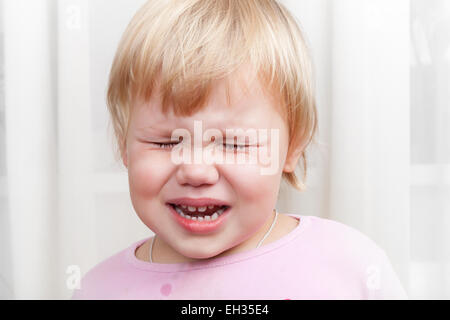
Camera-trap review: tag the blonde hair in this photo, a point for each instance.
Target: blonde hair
(189, 44)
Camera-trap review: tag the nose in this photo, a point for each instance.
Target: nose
(197, 174)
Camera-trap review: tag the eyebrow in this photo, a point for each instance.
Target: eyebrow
(163, 130)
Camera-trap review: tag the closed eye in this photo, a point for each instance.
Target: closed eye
(163, 145)
(236, 147)
(231, 147)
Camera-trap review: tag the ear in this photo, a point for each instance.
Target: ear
(292, 159)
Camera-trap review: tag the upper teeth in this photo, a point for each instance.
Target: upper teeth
(198, 216)
(196, 209)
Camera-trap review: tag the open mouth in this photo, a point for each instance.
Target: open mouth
(204, 213)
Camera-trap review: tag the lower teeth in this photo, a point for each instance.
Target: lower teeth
(200, 218)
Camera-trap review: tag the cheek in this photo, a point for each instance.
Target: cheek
(255, 194)
(250, 185)
(147, 173)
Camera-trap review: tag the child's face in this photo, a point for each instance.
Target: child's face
(155, 179)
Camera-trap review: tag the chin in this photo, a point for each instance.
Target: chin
(201, 254)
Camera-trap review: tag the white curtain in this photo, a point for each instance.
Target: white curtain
(430, 150)
(361, 51)
(382, 164)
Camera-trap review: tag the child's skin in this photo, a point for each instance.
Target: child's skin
(154, 178)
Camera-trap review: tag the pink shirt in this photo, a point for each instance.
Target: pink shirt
(319, 259)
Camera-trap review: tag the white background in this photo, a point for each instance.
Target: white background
(382, 165)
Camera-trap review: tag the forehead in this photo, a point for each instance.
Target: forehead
(240, 102)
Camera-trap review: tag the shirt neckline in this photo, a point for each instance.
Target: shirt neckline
(131, 258)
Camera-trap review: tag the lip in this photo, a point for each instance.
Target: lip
(199, 202)
(200, 227)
